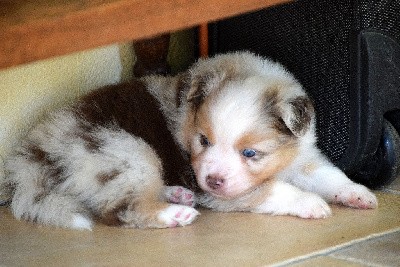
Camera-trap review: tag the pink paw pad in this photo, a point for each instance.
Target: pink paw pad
(180, 195)
(178, 214)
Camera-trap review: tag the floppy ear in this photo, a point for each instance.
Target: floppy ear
(201, 84)
(199, 88)
(292, 116)
(298, 114)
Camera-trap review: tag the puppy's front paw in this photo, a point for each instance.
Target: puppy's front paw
(356, 196)
(179, 195)
(177, 215)
(289, 200)
(311, 206)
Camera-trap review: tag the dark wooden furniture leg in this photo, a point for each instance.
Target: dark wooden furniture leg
(152, 56)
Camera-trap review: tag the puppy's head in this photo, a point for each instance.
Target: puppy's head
(247, 118)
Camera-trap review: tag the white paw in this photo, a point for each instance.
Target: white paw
(177, 215)
(356, 196)
(80, 222)
(286, 199)
(311, 206)
(179, 195)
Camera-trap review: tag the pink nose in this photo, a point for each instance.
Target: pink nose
(215, 182)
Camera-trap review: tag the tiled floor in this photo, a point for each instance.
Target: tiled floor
(349, 238)
(379, 249)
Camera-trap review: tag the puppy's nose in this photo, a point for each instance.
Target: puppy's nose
(215, 182)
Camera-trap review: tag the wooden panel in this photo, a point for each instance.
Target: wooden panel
(33, 30)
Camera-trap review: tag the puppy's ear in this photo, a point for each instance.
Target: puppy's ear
(298, 115)
(182, 88)
(199, 88)
(292, 116)
(202, 84)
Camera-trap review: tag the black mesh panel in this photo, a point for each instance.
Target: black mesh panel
(311, 38)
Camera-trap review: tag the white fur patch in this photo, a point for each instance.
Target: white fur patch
(356, 196)
(288, 200)
(80, 222)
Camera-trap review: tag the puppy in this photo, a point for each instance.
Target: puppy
(121, 155)
(250, 132)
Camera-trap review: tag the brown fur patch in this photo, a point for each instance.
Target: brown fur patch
(91, 143)
(131, 107)
(85, 132)
(40, 196)
(277, 161)
(271, 104)
(198, 92)
(252, 138)
(112, 212)
(139, 213)
(281, 127)
(182, 86)
(36, 154)
(52, 170)
(208, 82)
(303, 110)
(111, 217)
(105, 177)
(148, 210)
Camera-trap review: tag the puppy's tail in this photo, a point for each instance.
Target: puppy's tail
(51, 209)
(32, 199)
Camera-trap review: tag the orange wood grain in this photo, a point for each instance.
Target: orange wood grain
(34, 30)
(203, 40)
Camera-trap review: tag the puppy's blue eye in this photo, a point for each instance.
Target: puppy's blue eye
(249, 153)
(204, 141)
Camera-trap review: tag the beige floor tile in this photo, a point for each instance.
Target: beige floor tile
(384, 251)
(215, 239)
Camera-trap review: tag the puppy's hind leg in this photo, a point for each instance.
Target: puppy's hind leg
(147, 209)
(36, 198)
(135, 196)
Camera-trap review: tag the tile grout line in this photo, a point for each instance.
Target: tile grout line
(327, 251)
(391, 191)
(355, 260)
